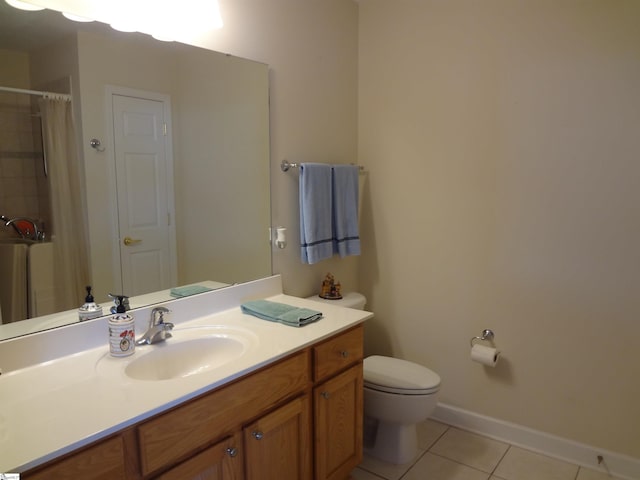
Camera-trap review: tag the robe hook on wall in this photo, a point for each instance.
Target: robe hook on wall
(95, 143)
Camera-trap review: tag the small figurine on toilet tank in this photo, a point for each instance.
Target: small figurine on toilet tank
(331, 290)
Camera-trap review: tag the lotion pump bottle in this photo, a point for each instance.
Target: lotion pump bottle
(90, 309)
(122, 335)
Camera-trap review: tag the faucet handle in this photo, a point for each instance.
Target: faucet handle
(157, 315)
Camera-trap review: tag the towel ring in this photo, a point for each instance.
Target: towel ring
(487, 336)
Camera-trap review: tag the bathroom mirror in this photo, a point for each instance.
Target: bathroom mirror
(219, 141)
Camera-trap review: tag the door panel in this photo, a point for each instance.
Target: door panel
(143, 168)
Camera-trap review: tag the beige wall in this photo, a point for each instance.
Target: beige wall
(503, 143)
(221, 136)
(311, 48)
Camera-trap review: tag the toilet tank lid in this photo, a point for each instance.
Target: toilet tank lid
(350, 300)
(397, 373)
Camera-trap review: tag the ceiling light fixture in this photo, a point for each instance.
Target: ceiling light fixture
(76, 18)
(166, 20)
(24, 5)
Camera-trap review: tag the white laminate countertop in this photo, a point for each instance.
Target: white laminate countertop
(54, 407)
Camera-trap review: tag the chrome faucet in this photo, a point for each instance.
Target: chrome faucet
(25, 227)
(158, 330)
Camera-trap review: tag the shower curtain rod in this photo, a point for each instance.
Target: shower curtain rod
(34, 92)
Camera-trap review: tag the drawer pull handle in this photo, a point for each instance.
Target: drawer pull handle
(344, 354)
(257, 435)
(325, 395)
(231, 451)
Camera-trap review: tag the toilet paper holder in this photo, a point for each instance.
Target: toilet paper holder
(487, 336)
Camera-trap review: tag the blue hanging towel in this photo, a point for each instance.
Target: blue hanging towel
(316, 235)
(345, 210)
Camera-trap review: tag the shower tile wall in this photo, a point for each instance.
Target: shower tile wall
(23, 186)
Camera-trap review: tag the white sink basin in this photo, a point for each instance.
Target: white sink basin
(190, 351)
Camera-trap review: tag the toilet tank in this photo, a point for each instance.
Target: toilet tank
(349, 300)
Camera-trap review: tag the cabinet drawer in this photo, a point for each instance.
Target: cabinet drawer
(176, 434)
(221, 461)
(104, 460)
(338, 353)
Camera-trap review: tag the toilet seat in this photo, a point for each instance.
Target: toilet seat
(393, 375)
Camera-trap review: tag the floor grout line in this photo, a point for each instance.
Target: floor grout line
(501, 459)
(428, 449)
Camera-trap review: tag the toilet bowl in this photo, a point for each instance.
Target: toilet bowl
(397, 396)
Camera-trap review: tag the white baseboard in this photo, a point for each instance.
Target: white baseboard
(614, 464)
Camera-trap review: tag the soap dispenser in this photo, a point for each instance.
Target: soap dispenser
(90, 309)
(122, 333)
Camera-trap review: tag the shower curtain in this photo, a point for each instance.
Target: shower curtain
(69, 238)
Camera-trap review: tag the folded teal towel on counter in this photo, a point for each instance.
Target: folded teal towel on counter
(188, 290)
(280, 312)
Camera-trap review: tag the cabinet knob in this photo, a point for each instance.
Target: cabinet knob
(344, 353)
(231, 451)
(325, 395)
(257, 435)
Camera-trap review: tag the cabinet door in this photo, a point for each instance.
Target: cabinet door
(219, 462)
(338, 424)
(278, 445)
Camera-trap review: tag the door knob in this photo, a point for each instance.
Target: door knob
(231, 451)
(257, 435)
(128, 241)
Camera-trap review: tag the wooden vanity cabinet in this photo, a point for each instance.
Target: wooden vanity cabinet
(298, 419)
(338, 405)
(278, 445)
(176, 435)
(221, 461)
(105, 459)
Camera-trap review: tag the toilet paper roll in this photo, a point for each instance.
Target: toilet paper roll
(485, 355)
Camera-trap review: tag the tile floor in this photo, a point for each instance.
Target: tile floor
(448, 453)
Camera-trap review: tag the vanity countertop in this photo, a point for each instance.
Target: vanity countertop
(54, 407)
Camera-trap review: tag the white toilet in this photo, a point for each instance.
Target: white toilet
(397, 396)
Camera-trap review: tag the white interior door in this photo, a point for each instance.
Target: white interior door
(143, 164)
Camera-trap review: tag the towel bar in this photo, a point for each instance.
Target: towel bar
(285, 165)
